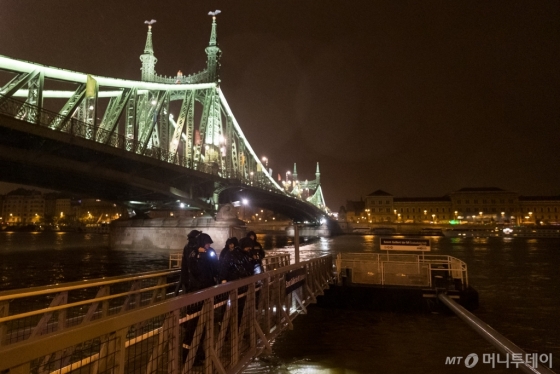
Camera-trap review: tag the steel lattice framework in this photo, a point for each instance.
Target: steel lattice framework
(138, 115)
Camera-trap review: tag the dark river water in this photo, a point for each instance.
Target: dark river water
(518, 281)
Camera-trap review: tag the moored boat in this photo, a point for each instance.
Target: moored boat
(511, 232)
(532, 232)
(482, 232)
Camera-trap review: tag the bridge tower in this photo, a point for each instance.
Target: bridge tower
(317, 198)
(213, 52)
(211, 128)
(148, 59)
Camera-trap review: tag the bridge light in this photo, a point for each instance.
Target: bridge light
(182, 205)
(244, 201)
(91, 107)
(154, 102)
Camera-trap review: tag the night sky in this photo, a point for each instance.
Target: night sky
(418, 98)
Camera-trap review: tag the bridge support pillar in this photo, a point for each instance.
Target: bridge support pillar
(171, 233)
(322, 231)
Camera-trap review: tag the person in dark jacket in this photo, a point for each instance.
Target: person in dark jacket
(233, 264)
(192, 245)
(257, 249)
(202, 264)
(230, 244)
(250, 260)
(249, 263)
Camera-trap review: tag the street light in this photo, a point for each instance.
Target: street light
(265, 160)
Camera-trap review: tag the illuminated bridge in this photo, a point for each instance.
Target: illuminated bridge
(161, 141)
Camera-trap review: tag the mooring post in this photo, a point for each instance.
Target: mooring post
(296, 242)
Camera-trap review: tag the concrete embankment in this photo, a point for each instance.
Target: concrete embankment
(171, 233)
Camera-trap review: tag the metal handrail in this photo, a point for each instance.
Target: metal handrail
(72, 286)
(270, 262)
(271, 301)
(500, 342)
(456, 268)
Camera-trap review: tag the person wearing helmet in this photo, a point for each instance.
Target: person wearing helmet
(250, 261)
(192, 244)
(231, 243)
(202, 264)
(233, 264)
(257, 249)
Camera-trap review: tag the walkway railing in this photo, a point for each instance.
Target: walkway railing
(134, 324)
(403, 270)
(272, 260)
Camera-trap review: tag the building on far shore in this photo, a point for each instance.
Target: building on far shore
(23, 207)
(467, 205)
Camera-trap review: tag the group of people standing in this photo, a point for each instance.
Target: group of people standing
(201, 267)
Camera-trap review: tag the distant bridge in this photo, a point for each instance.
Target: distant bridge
(120, 140)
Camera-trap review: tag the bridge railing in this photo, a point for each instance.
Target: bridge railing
(68, 124)
(218, 329)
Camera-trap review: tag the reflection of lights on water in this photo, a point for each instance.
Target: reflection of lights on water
(325, 244)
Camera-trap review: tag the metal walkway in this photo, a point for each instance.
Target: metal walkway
(135, 324)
